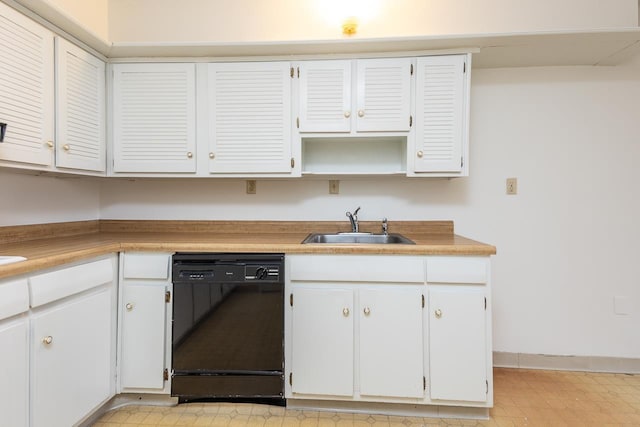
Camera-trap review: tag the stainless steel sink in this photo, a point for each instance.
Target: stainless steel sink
(10, 259)
(358, 238)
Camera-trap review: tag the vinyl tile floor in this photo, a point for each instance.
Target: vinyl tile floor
(522, 397)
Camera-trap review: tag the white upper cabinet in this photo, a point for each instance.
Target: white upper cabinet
(442, 109)
(383, 94)
(154, 118)
(80, 101)
(26, 89)
(376, 97)
(250, 118)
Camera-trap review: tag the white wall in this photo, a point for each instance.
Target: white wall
(285, 20)
(29, 199)
(567, 243)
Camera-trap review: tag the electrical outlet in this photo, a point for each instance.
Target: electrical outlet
(334, 186)
(512, 186)
(251, 186)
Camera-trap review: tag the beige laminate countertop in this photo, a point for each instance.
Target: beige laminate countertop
(103, 237)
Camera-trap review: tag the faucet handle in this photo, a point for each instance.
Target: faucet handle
(356, 211)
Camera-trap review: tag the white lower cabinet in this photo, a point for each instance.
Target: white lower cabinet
(144, 313)
(71, 359)
(14, 377)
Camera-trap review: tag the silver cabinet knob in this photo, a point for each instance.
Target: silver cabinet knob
(345, 312)
(66, 147)
(212, 156)
(438, 313)
(347, 114)
(419, 154)
(47, 340)
(189, 154)
(366, 311)
(49, 144)
(129, 306)
(360, 113)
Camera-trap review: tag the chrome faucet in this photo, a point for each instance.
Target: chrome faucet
(385, 226)
(353, 219)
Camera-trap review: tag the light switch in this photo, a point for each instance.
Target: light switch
(512, 186)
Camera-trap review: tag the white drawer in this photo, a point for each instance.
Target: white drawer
(356, 268)
(457, 269)
(146, 265)
(61, 283)
(14, 298)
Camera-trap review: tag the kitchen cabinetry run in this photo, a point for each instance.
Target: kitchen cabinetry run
(26, 90)
(355, 332)
(154, 118)
(72, 347)
(145, 316)
(250, 118)
(80, 105)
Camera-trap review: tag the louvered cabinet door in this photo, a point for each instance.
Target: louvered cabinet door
(250, 118)
(383, 95)
(26, 89)
(154, 118)
(325, 96)
(80, 119)
(441, 93)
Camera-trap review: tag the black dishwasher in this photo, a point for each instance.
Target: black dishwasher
(228, 327)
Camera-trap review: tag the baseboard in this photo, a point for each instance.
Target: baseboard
(619, 365)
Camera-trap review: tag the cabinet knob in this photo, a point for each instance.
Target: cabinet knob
(66, 147)
(47, 340)
(189, 154)
(212, 156)
(419, 154)
(366, 311)
(438, 313)
(49, 144)
(345, 312)
(347, 114)
(360, 113)
(129, 306)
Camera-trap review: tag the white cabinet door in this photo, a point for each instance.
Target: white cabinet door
(383, 94)
(441, 96)
(325, 96)
(80, 100)
(26, 89)
(71, 359)
(250, 117)
(14, 375)
(322, 341)
(391, 343)
(457, 343)
(142, 361)
(154, 118)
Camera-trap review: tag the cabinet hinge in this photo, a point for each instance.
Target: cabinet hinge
(293, 163)
(487, 383)
(410, 121)
(298, 72)
(412, 69)
(464, 67)
(422, 301)
(424, 383)
(298, 122)
(165, 375)
(167, 296)
(485, 303)
(461, 162)
(290, 378)
(291, 72)
(291, 300)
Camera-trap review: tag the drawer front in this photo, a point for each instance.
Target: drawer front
(356, 268)
(457, 270)
(14, 298)
(61, 283)
(146, 266)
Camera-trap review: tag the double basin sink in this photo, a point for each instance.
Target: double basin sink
(358, 238)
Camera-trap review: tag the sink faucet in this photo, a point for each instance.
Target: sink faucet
(353, 219)
(385, 226)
